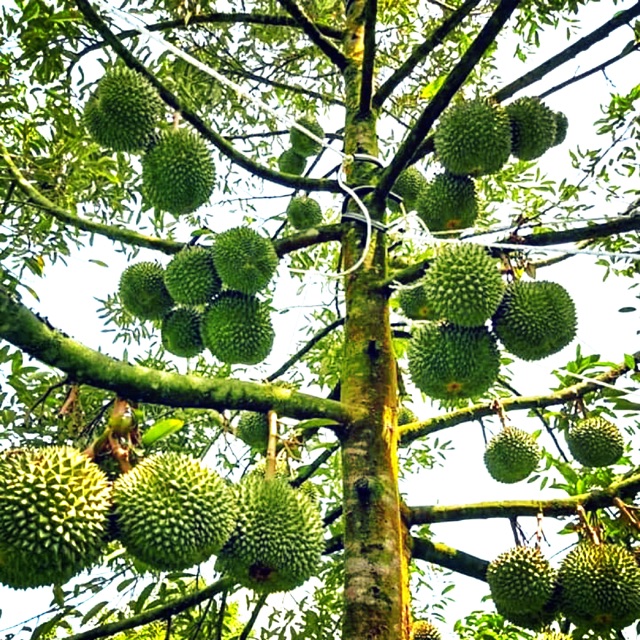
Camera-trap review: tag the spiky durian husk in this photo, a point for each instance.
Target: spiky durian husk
(406, 416)
(448, 362)
(562, 125)
(172, 512)
(292, 162)
(415, 305)
(535, 319)
(244, 260)
(464, 284)
(278, 539)
(178, 174)
(301, 143)
(600, 586)
(408, 185)
(534, 620)
(123, 111)
(304, 212)
(424, 630)
(191, 278)
(448, 203)
(237, 329)
(595, 442)
(180, 332)
(511, 455)
(473, 138)
(142, 291)
(54, 508)
(533, 127)
(253, 429)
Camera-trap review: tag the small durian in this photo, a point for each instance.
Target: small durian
(562, 125)
(292, 162)
(406, 416)
(191, 278)
(595, 442)
(448, 203)
(304, 212)
(142, 291)
(511, 455)
(180, 332)
(237, 329)
(408, 185)
(178, 174)
(244, 260)
(414, 303)
(172, 512)
(301, 143)
(424, 630)
(253, 429)
(533, 127)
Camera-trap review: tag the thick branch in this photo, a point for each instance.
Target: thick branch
(421, 51)
(309, 238)
(449, 558)
(410, 432)
(194, 120)
(25, 330)
(368, 58)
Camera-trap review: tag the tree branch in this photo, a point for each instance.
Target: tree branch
(22, 328)
(309, 238)
(368, 58)
(410, 432)
(450, 558)
(194, 120)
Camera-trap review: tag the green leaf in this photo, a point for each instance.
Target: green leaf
(94, 611)
(162, 429)
(629, 361)
(626, 309)
(314, 423)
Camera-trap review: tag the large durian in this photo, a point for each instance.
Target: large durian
(464, 284)
(191, 278)
(473, 138)
(244, 260)
(535, 319)
(142, 291)
(178, 173)
(600, 586)
(124, 110)
(533, 127)
(511, 455)
(54, 509)
(278, 539)
(448, 362)
(180, 332)
(301, 143)
(292, 162)
(424, 630)
(595, 442)
(172, 512)
(237, 329)
(304, 212)
(448, 203)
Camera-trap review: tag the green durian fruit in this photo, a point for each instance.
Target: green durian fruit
(124, 110)
(180, 332)
(237, 329)
(301, 143)
(304, 212)
(464, 284)
(415, 305)
(473, 138)
(535, 319)
(253, 429)
(278, 539)
(406, 416)
(534, 620)
(448, 203)
(172, 512)
(595, 442)
(244, 260)
(178, 174)
(54, 511)
(292, 162)
(533, 127)
(562, 125)
(600, 587)
(448, 362)
(424, 630)
(142, 291)
(191, 278)
(408, 185)
(511, 455)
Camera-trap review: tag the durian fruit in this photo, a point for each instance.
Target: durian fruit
(180, 332)
(408, 185)
(473, 138)
(535, 319)
(595, 442)
(278, 539)
(511, 455)
(533, 127)
(415, 305)
(406, 416)
(54, 509)
(253, 429)
(301, 143)
(172, 512)
(562, 125)
(292, 162)
(178, 173)
(191, 278)
(304, 212)
(124, 110)
(237, 329)
(600, 586)
(424, 630)
(448, 362)
(534, 620)
(448, 203)
(464, 284)
(244, 260)
(521, 580)
(142, 291)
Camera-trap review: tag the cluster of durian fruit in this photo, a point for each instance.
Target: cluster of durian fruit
(125, 113)
(294, 159)
(597, 587)
(476, 138)
(206, 297)
(59, 512)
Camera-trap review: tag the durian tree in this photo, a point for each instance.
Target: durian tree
(331, 230)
